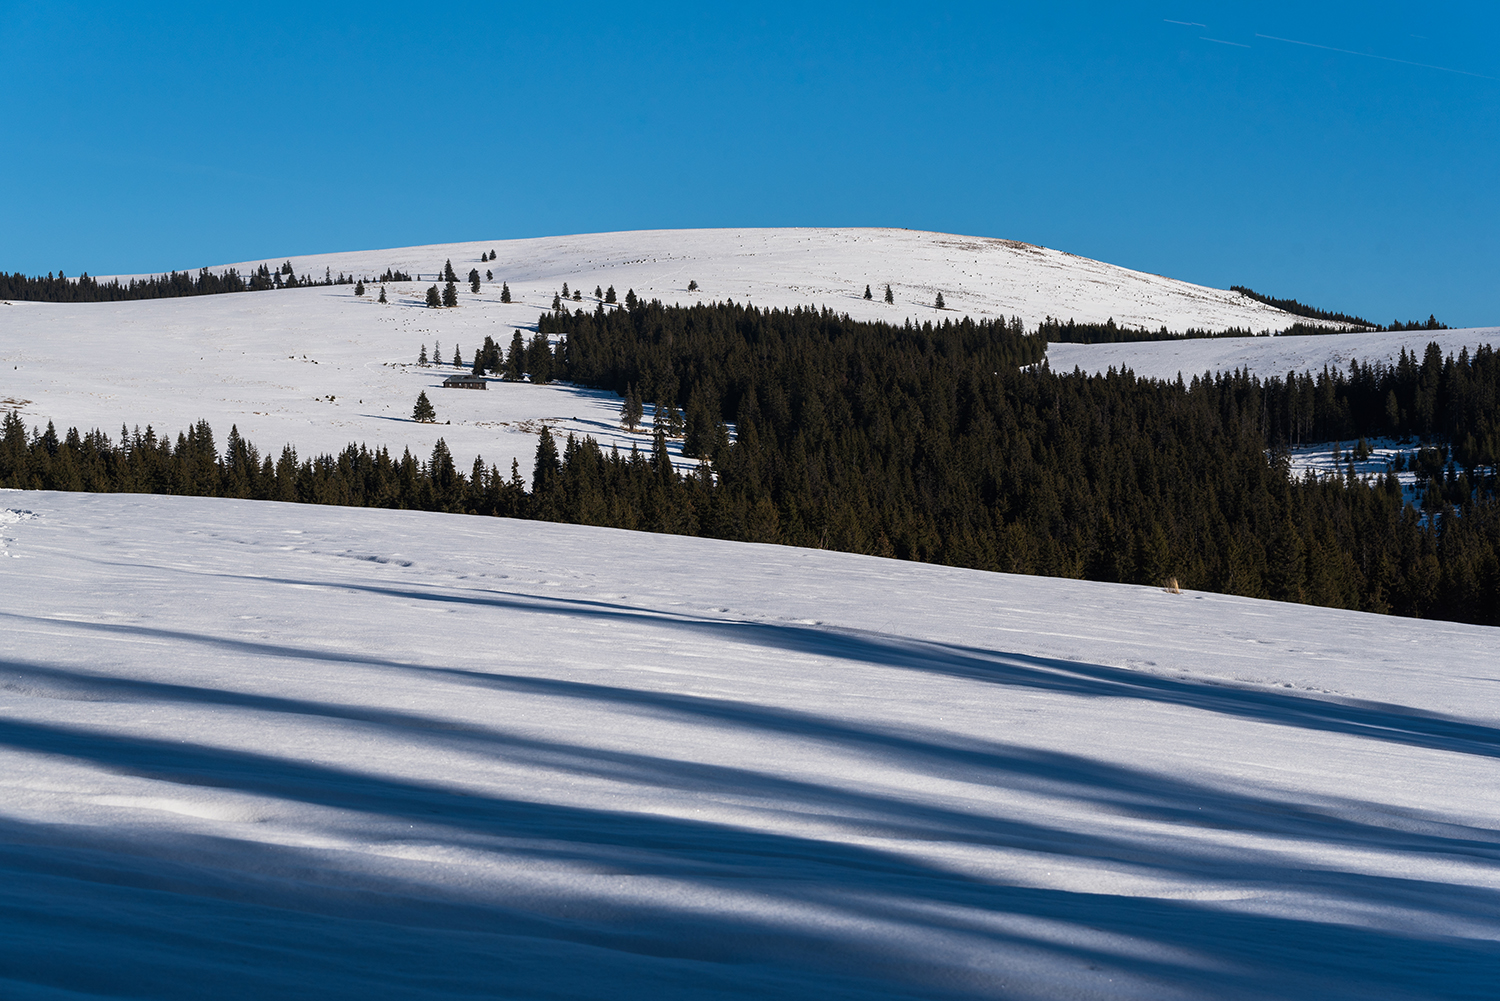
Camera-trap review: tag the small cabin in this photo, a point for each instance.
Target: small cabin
(465, 381)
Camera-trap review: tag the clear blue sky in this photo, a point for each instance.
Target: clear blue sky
(1222, 143)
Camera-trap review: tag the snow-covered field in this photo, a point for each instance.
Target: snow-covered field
(320, 368)
(255, 750)
(1262, 356)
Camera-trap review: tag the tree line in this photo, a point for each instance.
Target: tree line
(944, 443)
(177, 284)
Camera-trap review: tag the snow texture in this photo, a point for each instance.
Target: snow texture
(320, 368)
(255, 750)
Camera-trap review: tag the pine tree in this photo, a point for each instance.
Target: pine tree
(939, 303)
(422, 356)
(565, 293)
(598, 292)
(578, 295)
(698, 434)
(382, 293)
(515, 358)
(504, 292)
(359, 287)
(888, 296)
(422, 413)
(474, 280)
(630, 299)
(544, 474)
(609, 294)
(458, 358)
(450, 294)
(489, 275)
(630, 410)
(539, 358)
(868, 295)
(437, 352)
(433, 299)
(556, 303)
(448, 274)
(693, 286)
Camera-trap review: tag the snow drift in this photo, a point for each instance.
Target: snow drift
(255, 750)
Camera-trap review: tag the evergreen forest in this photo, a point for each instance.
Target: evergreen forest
(949, 443)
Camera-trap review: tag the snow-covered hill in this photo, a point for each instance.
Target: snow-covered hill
(977, 276)
(1262, 356)
(251, 750)
(320, 368)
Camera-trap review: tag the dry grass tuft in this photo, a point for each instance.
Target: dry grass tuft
(1171, 586)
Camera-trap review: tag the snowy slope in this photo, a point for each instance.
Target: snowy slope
(1262, 356)
(978, 276)
(253, 750)
(320, 368)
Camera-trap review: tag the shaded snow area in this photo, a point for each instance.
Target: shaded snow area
(320, 368)
(256, 750)
(1262, 356)
(1336, 458)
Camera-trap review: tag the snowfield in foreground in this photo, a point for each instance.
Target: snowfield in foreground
(256, 750)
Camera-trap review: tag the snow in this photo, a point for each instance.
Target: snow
(320, 368)
(1262, 356)
(259, 750)
(1335, 458)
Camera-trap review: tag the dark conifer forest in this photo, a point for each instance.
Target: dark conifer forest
(948, 443)
(61, 288)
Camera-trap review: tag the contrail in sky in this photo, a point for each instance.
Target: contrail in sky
(1190, 24)
(1367, 55)
(1205, 38)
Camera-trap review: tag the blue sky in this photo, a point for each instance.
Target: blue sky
(1343, 154)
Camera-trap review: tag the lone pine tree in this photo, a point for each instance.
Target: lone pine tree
(939, 303)
(450, 294)
(867, 293)
(423, 413)
(504, 292)
(422, 356)
(888, 296)
(474, 280)
(359, 287)
(448, 274)
(433, 299)
(382, 293)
